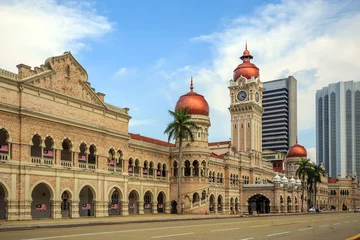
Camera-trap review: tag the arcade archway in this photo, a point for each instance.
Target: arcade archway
(3, 207)
(65, 204)
(41, 201)
(87, 203)
(133, 202)
(161, 202)
(259, 204)
(115, 202)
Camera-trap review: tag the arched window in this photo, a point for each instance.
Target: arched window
(36, 148)
(145, 168)
(163, 173)
(49, 148)
(131, 166)
(66, 150)
(91, 156)
(151, 169)
(175, 167)
(137, 167)
(195, 168)
(158, 170)
(187, 168)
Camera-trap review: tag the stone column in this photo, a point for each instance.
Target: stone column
(75, 209)
(124, 211)
(56, 209)
(140, 205)
(154, 207)
(100, 207)
(57, 156)
(167, 207)
(215, 207)
(75, 160)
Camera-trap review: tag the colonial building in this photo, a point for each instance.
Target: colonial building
(65, 152)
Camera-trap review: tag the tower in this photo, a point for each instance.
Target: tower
(246, 110)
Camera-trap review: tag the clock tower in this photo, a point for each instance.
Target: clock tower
(246, 110)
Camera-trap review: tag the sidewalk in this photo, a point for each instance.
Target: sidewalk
(90, 221)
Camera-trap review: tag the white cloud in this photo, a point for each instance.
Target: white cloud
(31, 30)
(311, 154)
(121, 72)
(316, 41)
(135, 122)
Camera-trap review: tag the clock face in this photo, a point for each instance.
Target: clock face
(257, 96)
(242, 95)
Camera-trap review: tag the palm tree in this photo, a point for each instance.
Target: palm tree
(318, 172)
(180, 129)
(302, 172)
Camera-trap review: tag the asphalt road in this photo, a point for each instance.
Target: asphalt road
(310, 226)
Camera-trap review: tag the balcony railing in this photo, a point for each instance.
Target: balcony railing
(66, 163)
(4, 156)
(87, 165)
(42, 161)
(112, 168)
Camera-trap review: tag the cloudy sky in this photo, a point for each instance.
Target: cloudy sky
(141, 54)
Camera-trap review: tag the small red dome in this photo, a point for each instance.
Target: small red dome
(297, 151)
(195, 103)
(246, 69)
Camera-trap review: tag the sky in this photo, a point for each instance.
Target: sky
(141, 54)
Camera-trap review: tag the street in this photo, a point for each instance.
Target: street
(308, 226)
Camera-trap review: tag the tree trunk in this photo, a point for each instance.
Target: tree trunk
(179, 178)
(303, 197)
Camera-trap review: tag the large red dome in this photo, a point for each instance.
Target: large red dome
(297, 151)
(195, 103)
(246, 68)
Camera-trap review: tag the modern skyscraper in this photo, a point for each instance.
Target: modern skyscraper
(338, 128)
(279, 121)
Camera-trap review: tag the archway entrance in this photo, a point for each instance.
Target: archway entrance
(2, 203)
(219, 206)
(114, 207)
(259, 204)
(41, 202)
(211, 205)
(173, 207)
(86, 204)
(148, 202)
(133, 202)
(161, 202)
(65, 205)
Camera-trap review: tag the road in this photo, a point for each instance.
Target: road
(309, 226)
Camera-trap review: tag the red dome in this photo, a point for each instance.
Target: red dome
(246, 69)
(195, 103)
(297, 151)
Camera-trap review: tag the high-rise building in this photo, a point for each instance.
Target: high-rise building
(279, 121)
(338, 128)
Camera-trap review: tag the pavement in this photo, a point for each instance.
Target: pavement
(92, 221)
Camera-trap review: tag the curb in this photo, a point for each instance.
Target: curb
(99, 223)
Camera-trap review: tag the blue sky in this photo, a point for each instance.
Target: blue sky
(141, 54)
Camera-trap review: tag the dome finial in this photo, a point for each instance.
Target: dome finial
(191, 84)
(246, 45)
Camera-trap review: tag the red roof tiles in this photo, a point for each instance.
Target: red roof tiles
(151, 140)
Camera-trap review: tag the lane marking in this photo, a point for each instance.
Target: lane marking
(354, 237)
(336, 223)
(247, 238)
(355, 221)
(304, 229)
(274, 234)
(173, 235)
(227, 229)
(347, 222)
(132, 230)
(260, 226)
(324, 226)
